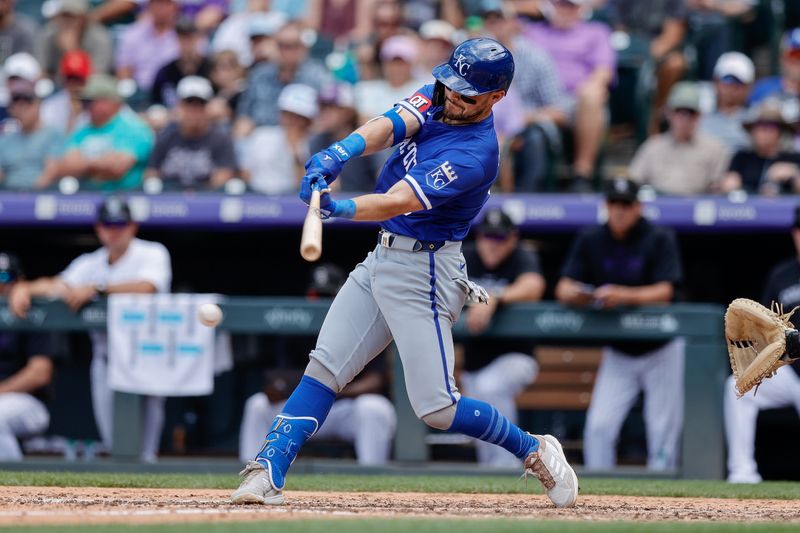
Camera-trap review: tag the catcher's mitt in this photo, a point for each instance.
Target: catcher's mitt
(756, 341)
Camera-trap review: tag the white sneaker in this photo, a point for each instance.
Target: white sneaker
(750, 478)
(255, 487)
(549, 465)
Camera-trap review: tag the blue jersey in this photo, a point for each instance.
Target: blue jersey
(450, 169)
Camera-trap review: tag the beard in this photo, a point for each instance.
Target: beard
(454, 112)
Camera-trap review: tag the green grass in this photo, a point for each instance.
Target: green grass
(423, 525)
(371, 483)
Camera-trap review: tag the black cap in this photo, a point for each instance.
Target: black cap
(114, 212)
(622, 190)
(185, 26)
(496, 222)
(9, 268)
(326, 280)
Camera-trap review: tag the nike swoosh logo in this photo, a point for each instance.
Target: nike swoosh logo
(461, 266)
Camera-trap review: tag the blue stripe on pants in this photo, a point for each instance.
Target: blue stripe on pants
(432, 263)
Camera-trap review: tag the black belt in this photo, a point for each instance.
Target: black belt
(409, 244)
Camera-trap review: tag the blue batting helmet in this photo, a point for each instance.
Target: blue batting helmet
(477, 66)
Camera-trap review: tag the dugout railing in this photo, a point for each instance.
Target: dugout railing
(701, 325)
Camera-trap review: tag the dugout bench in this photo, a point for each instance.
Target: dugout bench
(703, 445)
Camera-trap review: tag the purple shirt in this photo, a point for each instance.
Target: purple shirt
(190, 8)
(142, 50)
(577, 52)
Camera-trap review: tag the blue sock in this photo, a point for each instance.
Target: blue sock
(484, 422)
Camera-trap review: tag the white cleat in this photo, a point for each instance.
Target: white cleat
(255, 487)
(549, 465)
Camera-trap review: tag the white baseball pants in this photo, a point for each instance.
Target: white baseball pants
(20, 415)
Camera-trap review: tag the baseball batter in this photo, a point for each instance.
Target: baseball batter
(412, 286)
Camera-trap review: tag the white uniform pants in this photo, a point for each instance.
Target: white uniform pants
(103, 403)
(781, 390)
(20, 415)
(659, 374)
(498, 383)
(367, 421)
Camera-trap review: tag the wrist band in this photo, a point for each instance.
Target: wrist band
(398, 125)
(344, 209)
(351, 146)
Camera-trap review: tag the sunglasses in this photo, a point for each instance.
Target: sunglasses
(194, 100)
(466, 99)
(620, 203)
(7, 277)
(686, 112)
(25, 98)
(289, 45)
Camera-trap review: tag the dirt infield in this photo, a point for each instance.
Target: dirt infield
(53, 505)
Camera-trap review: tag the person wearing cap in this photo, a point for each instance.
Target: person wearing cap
(244, 31)
(629, 262)
(258, 103)
(273, 156)
(262, 30)
(123, 264)
(785, 86)
(71, 29)
(398, 57)
(29, 144)
(765, 167)
(190, 62)
(26, 371)
(228, 78)
(64, 110)
(148, 44)
(17, 32)
(734, 75)
(110, 152)
(681, 161)
(438, 38)
(781, 390)
(192, 153)
(496, 370)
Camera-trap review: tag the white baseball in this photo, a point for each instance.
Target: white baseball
(209, 315)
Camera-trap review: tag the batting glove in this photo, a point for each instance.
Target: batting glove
(309, 183)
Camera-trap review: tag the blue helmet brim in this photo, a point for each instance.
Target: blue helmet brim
(450, 79)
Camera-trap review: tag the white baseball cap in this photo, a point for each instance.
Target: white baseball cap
(437, 29)
(736, 65)
(22, 65)
(194, 87)
(299, 99)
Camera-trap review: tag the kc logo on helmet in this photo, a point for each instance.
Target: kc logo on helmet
(441, 176)
(461, 65)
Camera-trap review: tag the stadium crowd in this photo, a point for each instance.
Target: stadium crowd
(177, 95)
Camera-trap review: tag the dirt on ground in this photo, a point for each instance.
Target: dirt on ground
(80, 505)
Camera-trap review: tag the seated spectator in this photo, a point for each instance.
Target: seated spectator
(193, 153)
(398, 57)
(246, 32)
(190, 62)
(228, 77)
(20, 66)
(340, 21)
(149, 44)
(258, 105)
(438, 41)
(64, 110)
(734, 74)
(586, 64)
(337, 119)
(110, 12)
(70, 29)
(765, 168)
(110, 152)
(629, 262)
(273, 156)
(17, 32)
(386, 21)
(681, 161)
(262, 30)
(710, 21)
(26, 370)
(416, 12)
(205, 14)
(29, 144)
(786, 86)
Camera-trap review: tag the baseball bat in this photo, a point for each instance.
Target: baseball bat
(311, 240)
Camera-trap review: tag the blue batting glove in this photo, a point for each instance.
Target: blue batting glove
(328, 163)
(309, 183)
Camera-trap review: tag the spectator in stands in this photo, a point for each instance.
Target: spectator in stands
(337, 119)
(586, 63)
(250, 33)
(69, 30)
(438, 38)
(734, 74)
(273, 156)
(785, 87)
(124, 264)
(17, 32)
(658, 28)
(258, 104)
(228, 78)
(387, 20)
(149, 44)
(340, 21)
(26, 370)
(29, 145)
(781, 390)
(629, 262)
(711, 23)
(496, 370)
(206, 14)
(111, 12)
(262, 31)
(681, 161)
(192, 153)
(19, 66)
(765, 168)
(539, 92)
(64, 110)
(398, 57)
(416, 12)
(110, 152)
(190, 62)
(362, 414)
